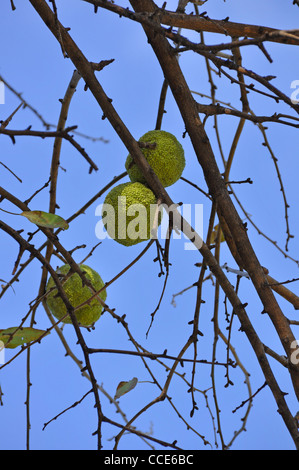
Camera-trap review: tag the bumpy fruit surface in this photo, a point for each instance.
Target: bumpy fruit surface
(129, 212)
(166, 159)
(89, 313)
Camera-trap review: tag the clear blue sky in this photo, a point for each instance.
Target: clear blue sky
(32, 62)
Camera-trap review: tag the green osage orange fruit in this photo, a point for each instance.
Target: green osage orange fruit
(129, 212)
(167, 158)
(77, 294)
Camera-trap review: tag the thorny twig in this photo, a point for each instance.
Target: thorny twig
(152, 20)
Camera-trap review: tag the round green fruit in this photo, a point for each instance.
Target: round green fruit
(166, 159)
(77, 294)
(129, 212)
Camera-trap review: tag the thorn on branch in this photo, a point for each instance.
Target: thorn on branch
(265, 52)
(270, 77)
(100, 65)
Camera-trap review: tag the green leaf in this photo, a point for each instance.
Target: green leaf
(46, 219)
(22, 336)
(125, 387)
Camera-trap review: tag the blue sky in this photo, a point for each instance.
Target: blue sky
(32, 62)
